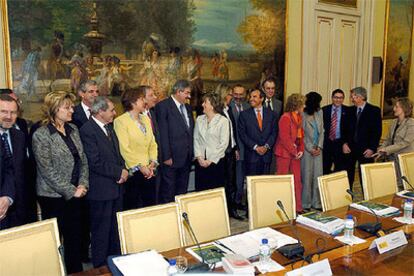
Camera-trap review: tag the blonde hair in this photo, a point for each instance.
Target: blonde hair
(52, 102)
(223, 90)
(294, 102)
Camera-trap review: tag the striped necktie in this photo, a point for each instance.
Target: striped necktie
(334, 123)
(6, 145)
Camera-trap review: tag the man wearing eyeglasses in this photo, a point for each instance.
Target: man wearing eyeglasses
(176, 125)
(334, 121)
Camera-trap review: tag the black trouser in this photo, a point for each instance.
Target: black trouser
(139, 191)
(333, 155)
(230, 179)
(257, 168)
(68, 215)
(104, 229)
(210, 177)
(354, 157)
(174, 181)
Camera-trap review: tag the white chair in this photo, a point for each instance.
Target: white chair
(262, 194)
(406, 161)
(378, 179)
(332, 190)
(31, 249)
(207, 213)
(157, 227)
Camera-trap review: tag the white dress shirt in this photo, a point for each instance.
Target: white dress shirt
(211, 139)
(86, 109)
(101, 125)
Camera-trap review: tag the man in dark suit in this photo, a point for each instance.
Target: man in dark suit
(237, 105)
(106, 174)
(363, 132)
(176, 125)
(14, 145)
(150, 102)
(273, 103)
(334, 122)
(258, 133)
(88, 91)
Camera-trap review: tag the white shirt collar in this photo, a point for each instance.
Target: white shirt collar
(86, 109)
(177, 103)
(100, 124)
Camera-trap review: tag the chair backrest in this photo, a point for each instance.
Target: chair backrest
(157, 227)
(378, 179)
(207, 213)
(332, 190)
(406, 161)
(31, 249)
(262, 194)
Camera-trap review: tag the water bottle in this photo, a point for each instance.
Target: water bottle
(264, 252)
(349, 227)
(172, 268)
(408, 210)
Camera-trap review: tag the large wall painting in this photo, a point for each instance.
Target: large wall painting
(398, 53)
(58, 44)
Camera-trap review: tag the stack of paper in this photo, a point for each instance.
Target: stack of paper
(378, 208)
(406, 194)
(143, 263)
(248, 243)
(211, 253)
(325, 223)
(237, 264)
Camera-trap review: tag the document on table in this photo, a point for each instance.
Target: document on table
(247, 244)
(143, 263)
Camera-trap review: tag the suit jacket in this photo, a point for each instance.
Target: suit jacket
(136, 147)
(20, 205)
(7, 184)
(155, 130)
(404, 137)
(79, 117)
(105, 162)
(277, 107)
(368, 130)
(55, 163)
(251, 134)
(176, 139)
(233, 126)
(327, 112)
(309, 130)
(236, 115)
(286, 141)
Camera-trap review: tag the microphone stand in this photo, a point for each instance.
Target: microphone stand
(374, 228)
(200, 267)
(291, 251)
(408, 193)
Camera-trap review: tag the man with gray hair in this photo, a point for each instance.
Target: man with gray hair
(107, 173)
(363, 132)
(88, 91)
(176, 125)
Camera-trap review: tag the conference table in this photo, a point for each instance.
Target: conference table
(344, 259)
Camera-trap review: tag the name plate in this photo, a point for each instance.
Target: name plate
(321, 268)
(389, 242)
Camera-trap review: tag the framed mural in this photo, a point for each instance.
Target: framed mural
(55, 45)
(346, 3)
(398, 53)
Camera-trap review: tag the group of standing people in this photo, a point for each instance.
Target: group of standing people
(91, 165)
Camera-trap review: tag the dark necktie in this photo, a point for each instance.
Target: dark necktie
(152, 123)
(334, 123)
(357, 124)
(182, 111)
(6, 145)
(108, 131)
(239, 108)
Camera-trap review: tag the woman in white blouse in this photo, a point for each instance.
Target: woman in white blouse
(211, 138)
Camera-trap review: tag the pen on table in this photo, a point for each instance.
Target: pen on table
(229, 249)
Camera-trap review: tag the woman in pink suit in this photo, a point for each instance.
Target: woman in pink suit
(289, 144)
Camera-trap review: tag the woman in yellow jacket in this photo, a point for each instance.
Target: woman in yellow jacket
(138, 148)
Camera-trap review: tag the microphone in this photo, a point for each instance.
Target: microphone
(200, 267)
(406, 181)
(291, 251)
(374, 228)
